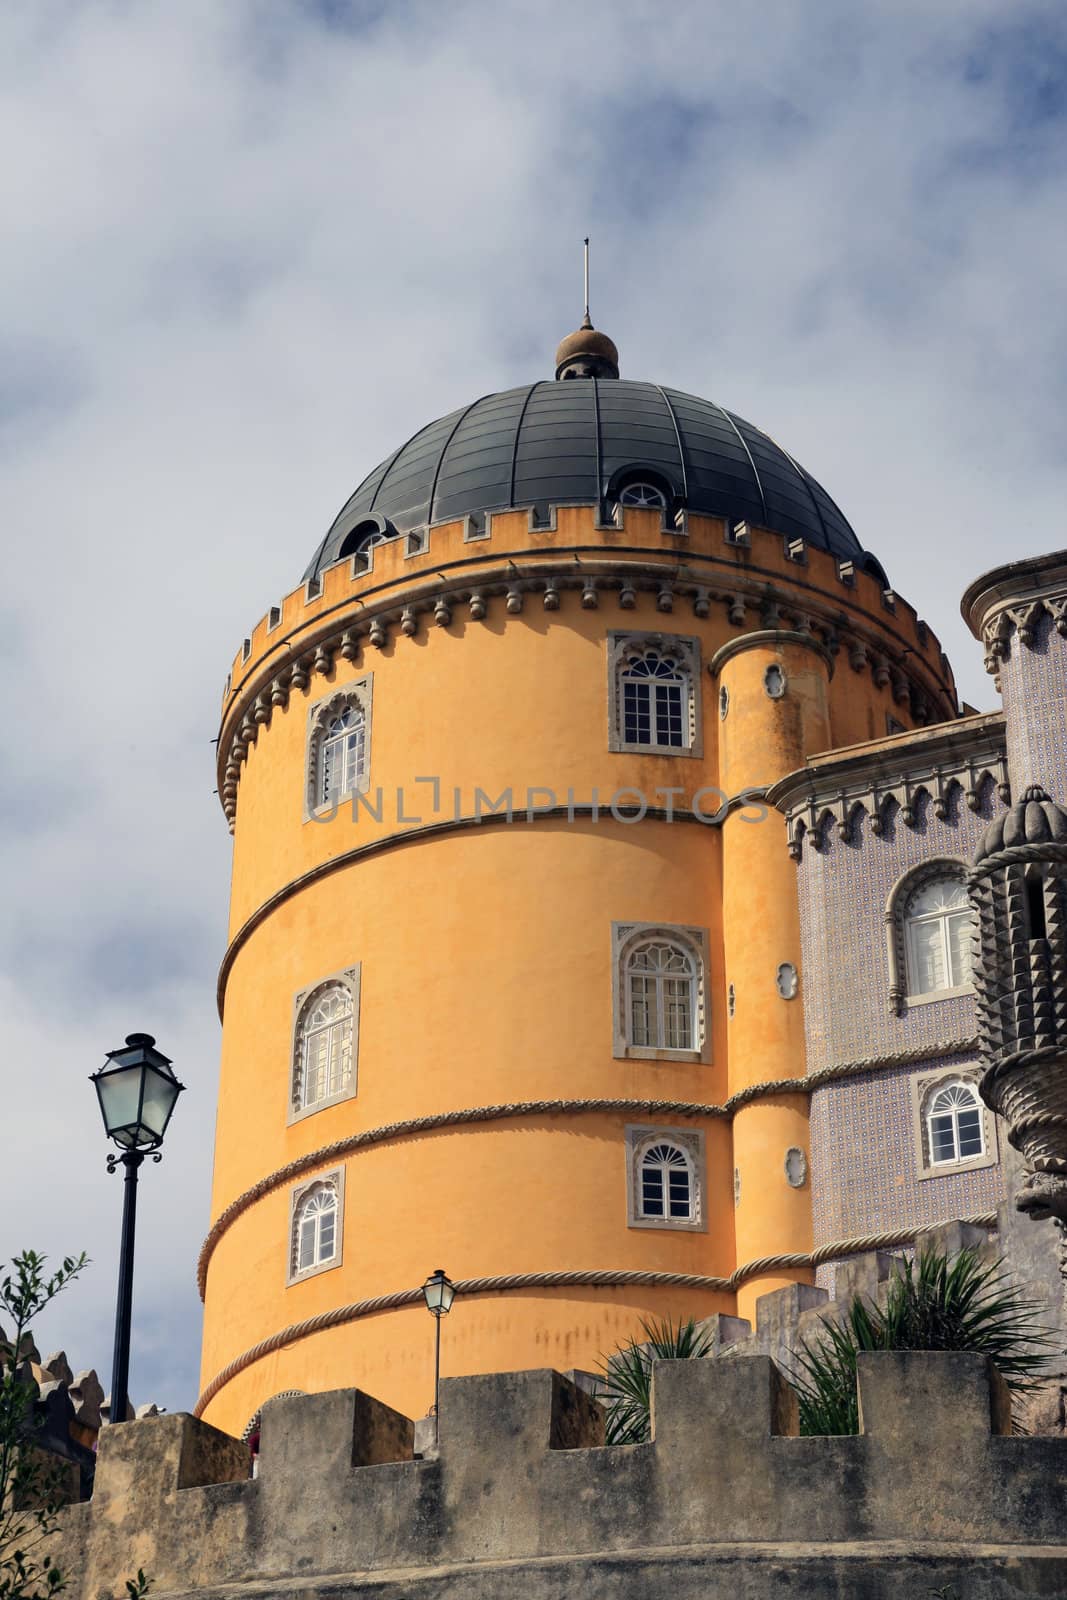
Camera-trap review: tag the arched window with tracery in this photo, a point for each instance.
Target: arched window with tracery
(954, 1124)
(654, 680)
(666, 1183)
(338, 748)
(315, 1227)
(661, 987)
(342, 754)
(324, 1044)
(938, 929)
(665, 1178)
(659, 991)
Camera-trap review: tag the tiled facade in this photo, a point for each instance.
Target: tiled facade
(865, 1174)
(866, 1171)
(1033, 681)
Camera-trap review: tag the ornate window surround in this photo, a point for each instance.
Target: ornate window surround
(296, 1196)
(924, 1086)
(624, 935)
(688, 650)
(349, 978)
(358, 693)
(896, 936)
(640, 1137)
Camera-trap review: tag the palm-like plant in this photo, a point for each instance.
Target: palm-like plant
(934, 1303)
(626, 1385)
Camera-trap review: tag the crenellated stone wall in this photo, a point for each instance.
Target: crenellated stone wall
(521, 1499)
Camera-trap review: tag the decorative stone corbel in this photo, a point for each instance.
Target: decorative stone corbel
(442, 612)
(378, 633)
(590, 598)
(409, 622)
(551, 595)
(513, 600)
(478, 606)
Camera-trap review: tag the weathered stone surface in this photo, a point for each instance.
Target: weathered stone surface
(724, 1501)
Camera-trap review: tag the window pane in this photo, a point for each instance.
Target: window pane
(970, 1130)
(942, 1138)
(679, 1192)
(928, 950)
(637, 713)
(669, 714)
(306, 1254)
(959, 942)
(652, 1192)
(326, 1236)
(679, 1017)
(642, 1010)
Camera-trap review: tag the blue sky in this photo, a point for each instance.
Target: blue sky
(245, 249)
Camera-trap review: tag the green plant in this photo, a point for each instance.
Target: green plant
(937, 1302)
(28, 1487)
(626, 1385)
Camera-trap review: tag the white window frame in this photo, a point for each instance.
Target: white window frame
(640, 1140)
(925, 1088)
(297, 1197)
(901, 962)
(686, 650)
(626, 938)
(303, 1004)
(358, 696)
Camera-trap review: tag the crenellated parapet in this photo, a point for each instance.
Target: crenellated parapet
(501, 566)
(523, 1498)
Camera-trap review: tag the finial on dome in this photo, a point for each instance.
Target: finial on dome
(587, 353)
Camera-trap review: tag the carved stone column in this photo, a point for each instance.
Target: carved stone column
(1018, 888)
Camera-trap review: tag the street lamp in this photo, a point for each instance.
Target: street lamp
(439, 1292)
(137, 1093)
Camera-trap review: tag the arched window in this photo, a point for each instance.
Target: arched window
(938, 927)
(661, 995)
(655, 692)
(954, 1124)
(641, 493)
(666, 1183)
(324, 1043)
(315, 1238)
(342, 754)
(338, 749)
(326, 1033)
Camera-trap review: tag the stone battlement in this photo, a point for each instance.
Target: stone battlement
(522, 1498)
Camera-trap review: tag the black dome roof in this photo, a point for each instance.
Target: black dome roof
(550, 443)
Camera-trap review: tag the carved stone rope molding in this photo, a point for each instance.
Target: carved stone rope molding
(605, 1278)
(326, 1155)
(518, 817)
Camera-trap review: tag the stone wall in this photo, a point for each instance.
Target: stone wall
(521, 1499)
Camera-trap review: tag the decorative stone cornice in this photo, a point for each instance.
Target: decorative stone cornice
(1009, 603)
(868, 778)
(360, 626)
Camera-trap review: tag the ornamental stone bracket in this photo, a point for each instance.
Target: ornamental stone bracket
(893, 774)
(507, 588)
(1010, 603)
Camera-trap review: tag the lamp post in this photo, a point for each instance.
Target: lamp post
(439, 1292)
(137, 1093)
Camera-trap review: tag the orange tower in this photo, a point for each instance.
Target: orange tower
(513, 980)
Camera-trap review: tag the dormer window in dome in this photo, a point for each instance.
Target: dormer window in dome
(362, 539)
(643, 494)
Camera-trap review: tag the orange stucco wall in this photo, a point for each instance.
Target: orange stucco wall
(486, 969)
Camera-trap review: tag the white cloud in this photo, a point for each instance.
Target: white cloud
(244, 250)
